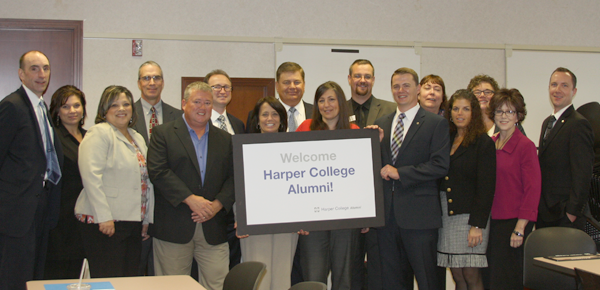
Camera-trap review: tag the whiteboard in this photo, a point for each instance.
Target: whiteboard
(320, 65)
(529, 72)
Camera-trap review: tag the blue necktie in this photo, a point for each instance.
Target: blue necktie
(292, 121)
(53, 173)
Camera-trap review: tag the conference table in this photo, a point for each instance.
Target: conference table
(125, 283)
(568, 267)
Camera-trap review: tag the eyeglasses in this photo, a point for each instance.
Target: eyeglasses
(218, 88)
(499, 113)
(487, 93)
(358, 77)
(148, 78)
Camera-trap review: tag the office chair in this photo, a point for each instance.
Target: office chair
(309, 285)
(586, 280)
(244, 276)
(548, 242)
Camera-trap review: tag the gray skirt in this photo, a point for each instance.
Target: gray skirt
(453, 246)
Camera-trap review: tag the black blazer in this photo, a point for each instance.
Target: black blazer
(236, 124)
(174, 171)
(308, 109)
(22, 167)
(168, 112)
(424, 157)
(378, 109)
(471, 180)
(566, 160)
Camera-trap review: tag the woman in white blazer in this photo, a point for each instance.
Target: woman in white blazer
(117, 201)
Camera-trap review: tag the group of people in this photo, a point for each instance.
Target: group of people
(149, 188)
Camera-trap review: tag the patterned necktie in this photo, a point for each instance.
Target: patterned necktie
(53, 173)
(222, 124)
(153, 120)
(397, 137)
(292, 121)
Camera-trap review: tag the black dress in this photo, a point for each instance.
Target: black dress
(65, 247)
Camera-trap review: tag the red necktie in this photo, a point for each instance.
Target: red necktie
(153, 120)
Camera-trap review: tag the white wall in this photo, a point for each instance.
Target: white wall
(460, 38)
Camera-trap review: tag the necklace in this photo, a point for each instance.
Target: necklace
(500, 143)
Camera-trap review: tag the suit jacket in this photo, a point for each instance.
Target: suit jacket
(168, 112)
(175, 172)
(591, 111)
(22, 167)
(308, 109)
(566, 160)
(236, 124)
(378, 109)
(471, 180)
(110, 173)
(424, 157)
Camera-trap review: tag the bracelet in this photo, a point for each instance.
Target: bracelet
(518, 234)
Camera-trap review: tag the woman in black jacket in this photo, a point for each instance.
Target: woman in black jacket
(467, 193)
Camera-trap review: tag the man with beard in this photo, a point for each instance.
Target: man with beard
(364, 110)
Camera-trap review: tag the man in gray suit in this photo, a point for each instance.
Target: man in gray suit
(364, 109)
(151, 111)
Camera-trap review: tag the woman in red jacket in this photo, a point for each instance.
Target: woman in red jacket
(324, 251)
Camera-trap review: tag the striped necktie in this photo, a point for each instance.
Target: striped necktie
(398, 136)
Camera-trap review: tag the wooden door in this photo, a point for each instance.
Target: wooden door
(246, 92)
(60, 40)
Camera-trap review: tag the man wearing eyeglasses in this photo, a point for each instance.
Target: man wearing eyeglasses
(566, 157)
(150, 108)
(220, 83)
(151, 111)
(364, 110)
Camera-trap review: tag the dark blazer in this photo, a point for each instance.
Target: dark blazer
(174, 171)
(424, 157)
(168, 112)
(566, 161)
(236, 124)
(22, 167)
(591, 111)
(378, 109)
(65, 241)
(308, 109)
(471, 180)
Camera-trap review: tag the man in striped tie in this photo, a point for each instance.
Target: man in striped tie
(415, 152)
(220, 83)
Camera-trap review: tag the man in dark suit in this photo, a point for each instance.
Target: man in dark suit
(364, 109)
(415, 152)
(151, 111)
(150, 108)
(220, 83)
(290, 88)
(566, 157)
(29, 182)
(190, 163)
